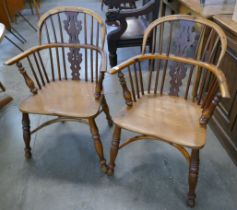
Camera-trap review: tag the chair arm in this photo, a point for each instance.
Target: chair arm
(25, 55)
(114, 15)
(145, 9)
(222, 83)
(117, 3)
(32, 50)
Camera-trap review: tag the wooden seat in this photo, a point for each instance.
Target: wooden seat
(160, 116)
(77, 103)
(169, 98)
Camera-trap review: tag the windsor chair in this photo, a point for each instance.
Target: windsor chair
(126, 26)
(171, 98)
(66, 79)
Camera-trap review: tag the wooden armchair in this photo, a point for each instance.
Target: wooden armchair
(170, 98)
(129, 26)
(69, 89)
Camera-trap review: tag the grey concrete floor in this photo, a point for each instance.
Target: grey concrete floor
(64, 171)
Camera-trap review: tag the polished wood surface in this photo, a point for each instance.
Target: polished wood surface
(48, 101)
(207, 11)
(226, 22)
(160, 116)
(14, 6)
(5, 18)
(9, 9)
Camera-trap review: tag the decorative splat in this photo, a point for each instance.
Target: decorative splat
(177, 73)
(184, 46)
(73, 27)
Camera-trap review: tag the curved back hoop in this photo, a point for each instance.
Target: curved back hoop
(205, 38)
(65, 24)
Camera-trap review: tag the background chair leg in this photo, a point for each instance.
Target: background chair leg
(193, 177)
(114, 149)
(26, 134)
(113, 59)
(105, 108)
(98, 144)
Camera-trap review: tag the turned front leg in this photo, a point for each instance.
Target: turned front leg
(193, 177)
(114, 149)
(98, 144)
(105, 108)
(26, 134)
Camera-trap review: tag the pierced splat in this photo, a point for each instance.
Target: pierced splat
(184, 44)
(73, 27)
(177, 73)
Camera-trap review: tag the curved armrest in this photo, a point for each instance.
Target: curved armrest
(32, 50)
(41, 81)
(117, 14)
(213, 69)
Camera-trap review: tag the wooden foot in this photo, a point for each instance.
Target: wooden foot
(105, 108)
(26, 134)
(193, 177)
(114, 150)
(98, 144)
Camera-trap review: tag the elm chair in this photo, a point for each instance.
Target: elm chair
(171, 98)
(66, 79)
(126, 26)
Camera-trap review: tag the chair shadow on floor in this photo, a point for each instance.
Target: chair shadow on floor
(68, 156)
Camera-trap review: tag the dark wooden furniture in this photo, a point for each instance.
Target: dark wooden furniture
(9, 9)
(4, 99)
(224, 120)
(174, 100)
(67, 79)
(121, 4)
(129, 26)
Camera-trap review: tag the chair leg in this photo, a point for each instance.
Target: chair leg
(113, 59)
(114, 149)
(98, 144)
(26, 134)
(105, 109)
(193, 177)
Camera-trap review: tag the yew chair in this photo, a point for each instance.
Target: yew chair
(170, 97)
(68, 87)
(66, 78)
(126, 26)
